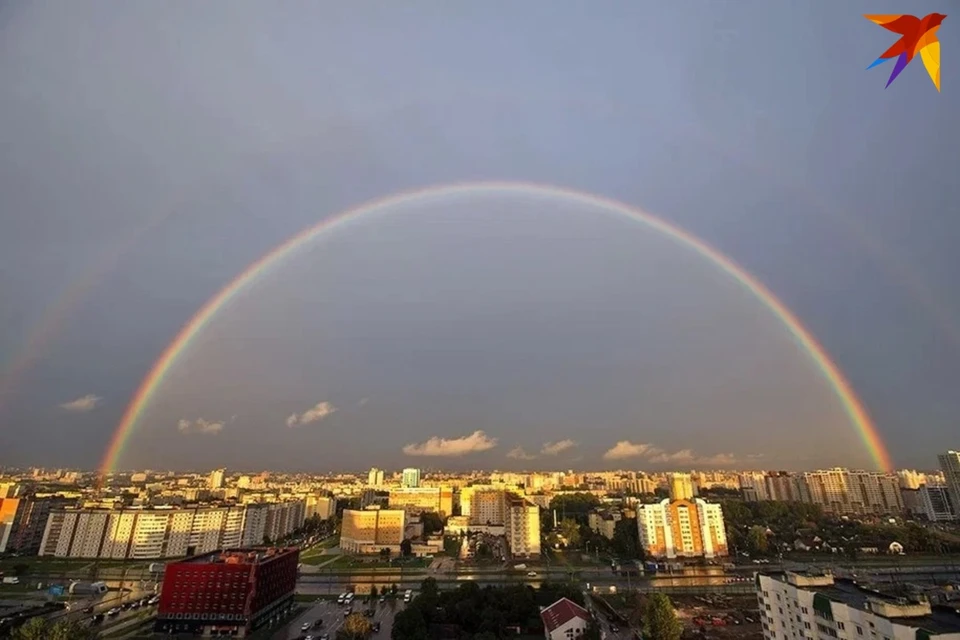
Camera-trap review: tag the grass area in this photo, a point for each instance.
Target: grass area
(42, 565)
(356, 563)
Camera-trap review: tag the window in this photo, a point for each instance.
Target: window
(804, 609)
(840, 625)
(859, 630)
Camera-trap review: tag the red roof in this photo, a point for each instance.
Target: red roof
(561, 612)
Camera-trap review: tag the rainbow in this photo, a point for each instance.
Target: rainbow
(856, 412)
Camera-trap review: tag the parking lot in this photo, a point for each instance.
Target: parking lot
(333, 614)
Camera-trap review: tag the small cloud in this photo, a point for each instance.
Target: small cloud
(316, 413)
(83, 404)
(656, 455)
(626, 449)
(473, 443)
(556, 448)
(200, 425)
(363, 401)
(517, 453)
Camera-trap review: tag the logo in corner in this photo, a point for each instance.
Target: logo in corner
(917, 35)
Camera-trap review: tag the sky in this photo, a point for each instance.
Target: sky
(149, 152)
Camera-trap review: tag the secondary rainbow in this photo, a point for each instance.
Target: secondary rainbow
(856, 412)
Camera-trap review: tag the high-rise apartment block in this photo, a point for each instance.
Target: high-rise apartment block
(681, 486)
(166, 532)
(682, 529)
(522, 526)
(370, 530)
(410, 478)
(375, 477)
(796, 605)
(950, 465)
(216, 479)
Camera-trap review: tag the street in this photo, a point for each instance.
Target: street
(332, 615)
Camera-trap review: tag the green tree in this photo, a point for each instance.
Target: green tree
(71, 630)
(626, 539)
(757, 540)
(570, 531)
(355, 627)
(432, 522)
(393, 589)
(33, 629)
(373, 592)
(575, 505)
(592, 632)
(406, 548)
(659, 619)
(410, 624)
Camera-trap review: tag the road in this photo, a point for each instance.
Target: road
(332, 615)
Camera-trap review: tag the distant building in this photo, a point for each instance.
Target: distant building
(375, 477)
(323, 507)
(8, 513)
(797, 605)
(935, 503)
(416, 500)
(564, 619)
(682, 529)
(522, 527)
(950, 465)
(216, 479)
(681, 486)
(370, 530)
(227, 593)
(410, 478)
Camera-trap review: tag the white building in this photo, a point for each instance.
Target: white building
(682, 529)
(410, 478)
(375, 477)
(795, 606)
(216, 479)
(935, 503)
(522, 527)
(564, 619)
(950, 465)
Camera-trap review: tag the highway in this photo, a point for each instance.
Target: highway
(332, 615)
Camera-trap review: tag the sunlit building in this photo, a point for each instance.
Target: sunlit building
(522, 527)
(682, 529)
(370, 530)
(681, 486)
(410, 478)
(416, 500)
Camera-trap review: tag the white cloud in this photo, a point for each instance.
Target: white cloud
(626, 449)
(363, 401)
(200, 425)
(436, 446)
(517, 453)
(83, 404)
(656, 455)
(556, 448)
(316, 413)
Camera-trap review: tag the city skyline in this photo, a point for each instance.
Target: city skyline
(502, 330)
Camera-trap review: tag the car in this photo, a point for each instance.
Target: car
(318, 623)
(614, 628)
(531, 574)
(305, 626)
(325, 637)
(376, 627)
(88, 609)
(382, 599)
(341, 598)
(115, 611)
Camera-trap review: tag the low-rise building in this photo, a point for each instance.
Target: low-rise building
(228, 592)
(564, 619)
(370, 530)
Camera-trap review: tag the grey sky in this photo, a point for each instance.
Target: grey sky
(150, 151)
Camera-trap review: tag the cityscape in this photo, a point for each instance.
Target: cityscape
(479, 320)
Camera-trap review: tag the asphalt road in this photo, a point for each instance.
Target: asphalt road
(332, 615)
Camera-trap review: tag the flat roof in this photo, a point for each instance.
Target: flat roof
(253, 555)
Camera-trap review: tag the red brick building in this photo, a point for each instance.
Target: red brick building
(227, 593)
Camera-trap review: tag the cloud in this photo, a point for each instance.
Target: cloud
(626, 449)
(200, 425)
(556, 448)
(655, 455)
(316, 413)
(83, 404)
(363, 401)
(517, 453)
(473, 443)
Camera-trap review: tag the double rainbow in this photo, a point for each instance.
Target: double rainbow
(857, 413)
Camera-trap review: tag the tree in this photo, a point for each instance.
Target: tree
(432, 523)
(409, 624)
(406, 548)
(626, 539)
(39, 629)
(570, 531)
(659, 619)
(385, 553)
(592, 632)
(33, 629)
(373, 592)
(757, 540)
(393, 589)
(355, 627)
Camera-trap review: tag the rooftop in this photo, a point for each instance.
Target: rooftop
(256, 555)
(561, 612)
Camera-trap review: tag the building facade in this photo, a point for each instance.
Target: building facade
(370, 530)
(522, 527)
(682, 529)
(794, 606)
(410, 478)
(227, 593)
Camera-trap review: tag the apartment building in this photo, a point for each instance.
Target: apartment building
(522, 526)
(682, 529)
(936, 503)
(410, 478)
(373, 529)
(165, 532)
(950, 466)
(796, 606)
(323, 507)
(681, 486)
(416, 500)
(8, 514)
